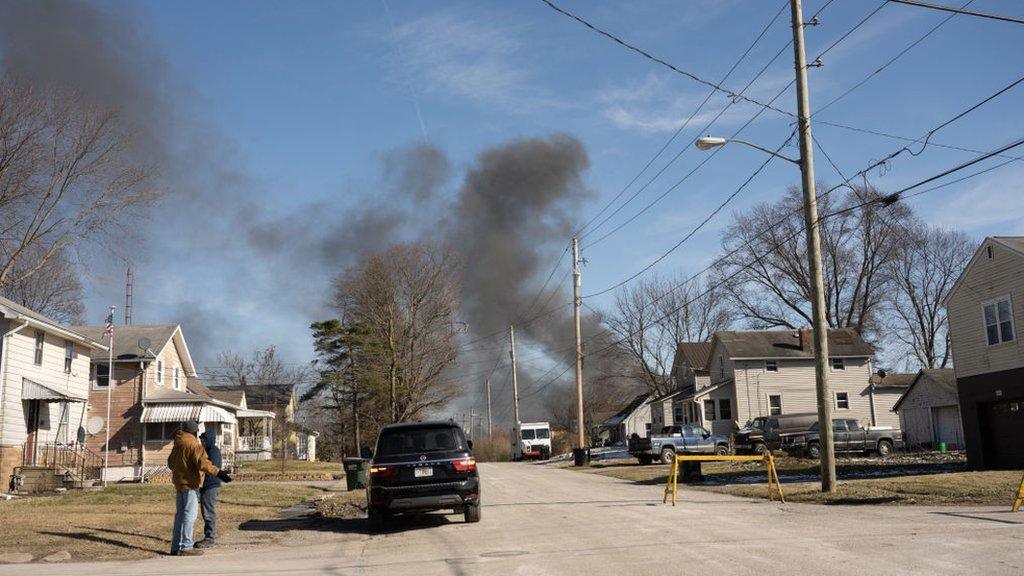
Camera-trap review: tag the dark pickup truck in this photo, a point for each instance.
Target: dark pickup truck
(847, 436)
(676, 439)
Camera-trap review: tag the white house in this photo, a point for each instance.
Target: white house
(44, 390)
(634, 418)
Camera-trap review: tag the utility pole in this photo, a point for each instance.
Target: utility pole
(489, 407)
(515, 381)
(581, 440)
(472, 422)
(128, 286)
(828, 464)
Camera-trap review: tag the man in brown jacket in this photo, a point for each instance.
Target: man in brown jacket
(189, 465)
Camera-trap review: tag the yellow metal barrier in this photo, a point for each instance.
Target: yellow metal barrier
(1020, 496)
(671, 487)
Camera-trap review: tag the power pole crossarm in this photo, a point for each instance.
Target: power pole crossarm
(828, 465)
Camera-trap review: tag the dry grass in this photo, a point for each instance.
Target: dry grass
(269, 470)
(902, 480)
(494, 448)
(128, 521)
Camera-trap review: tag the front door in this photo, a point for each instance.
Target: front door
(32, 432)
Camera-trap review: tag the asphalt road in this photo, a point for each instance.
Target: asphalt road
(541, 520)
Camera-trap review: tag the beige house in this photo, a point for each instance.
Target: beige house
(766, 372)
(985, 309)
(44, 387)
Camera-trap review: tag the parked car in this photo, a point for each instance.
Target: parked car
(848, 436)
(422, 467)
(766, 432)
(534, 441)
(674, 440)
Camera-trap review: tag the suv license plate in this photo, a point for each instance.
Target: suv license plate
(423, 472)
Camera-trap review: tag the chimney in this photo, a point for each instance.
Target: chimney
(805, 338)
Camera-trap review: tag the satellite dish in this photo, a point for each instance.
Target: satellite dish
(94, 425)
(144, 344)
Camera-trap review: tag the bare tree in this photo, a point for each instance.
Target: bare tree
(405, 299)
(66, 177)
(928, 261)
(765, 270)
(654, 315)
(54, 290)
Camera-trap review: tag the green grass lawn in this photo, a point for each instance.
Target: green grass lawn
(128, 521)
(862, 481)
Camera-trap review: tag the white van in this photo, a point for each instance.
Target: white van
(534, 441)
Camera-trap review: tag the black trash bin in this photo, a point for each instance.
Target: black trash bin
(357, 472)
(581, 456)
(689, 471)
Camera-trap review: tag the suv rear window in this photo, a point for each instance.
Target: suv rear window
(419, 440)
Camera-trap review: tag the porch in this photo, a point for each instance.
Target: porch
(49, 466)
(255, 435)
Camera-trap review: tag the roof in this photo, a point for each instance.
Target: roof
(32, 390)
(842, 342)
(262, 396)
(126, 339)
(1015, 243)
(11, 309)
(893, 380)
(667, 395)
(230, 396)
(694, 354)
(944, 377)
(627, 411)
(183, 411)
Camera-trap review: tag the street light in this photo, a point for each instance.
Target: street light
(709, 142)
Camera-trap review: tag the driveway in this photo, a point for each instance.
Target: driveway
(540, 520)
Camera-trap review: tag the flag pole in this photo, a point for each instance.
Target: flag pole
(110, 386)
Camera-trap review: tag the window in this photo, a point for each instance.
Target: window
(724, 409)
(771, 365)
(837, 364)
(721, 367)
(839, 425)
(842, 401)
(647, 428)
(101, 375)
(400, 441)
(528, 434)
(159, 431)
(69, 355)
(677, 413)
(39, 347)
(160, 372)
(774, 404)
(998, 320)
(709, 410)
(177, 378)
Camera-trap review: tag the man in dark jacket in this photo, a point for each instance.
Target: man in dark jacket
(188, 464)
(208, 493)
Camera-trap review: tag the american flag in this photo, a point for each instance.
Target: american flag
(108, 330)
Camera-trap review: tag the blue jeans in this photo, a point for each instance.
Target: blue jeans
(208, 505)
(185, 511)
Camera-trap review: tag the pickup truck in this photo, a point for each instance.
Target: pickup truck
(676, 439)
(847, 436)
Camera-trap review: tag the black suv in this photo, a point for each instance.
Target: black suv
(422, 467)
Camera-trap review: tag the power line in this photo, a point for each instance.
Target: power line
(989, 15)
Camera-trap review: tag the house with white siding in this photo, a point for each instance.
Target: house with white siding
(44, 389)
(985, 309)
(767, 372)
(929, 411)
(634, 418)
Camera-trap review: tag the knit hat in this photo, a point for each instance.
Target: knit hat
(190, 426)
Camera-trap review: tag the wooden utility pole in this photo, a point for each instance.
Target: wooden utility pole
(828, 464)
(515, 381)
(472, 421)
(581, 439)
(489, 422)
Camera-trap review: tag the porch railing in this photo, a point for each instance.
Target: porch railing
(253, 443)
(75, 458)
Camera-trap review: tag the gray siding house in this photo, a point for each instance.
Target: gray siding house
(929, 411)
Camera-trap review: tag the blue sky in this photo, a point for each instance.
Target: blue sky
(309, 97)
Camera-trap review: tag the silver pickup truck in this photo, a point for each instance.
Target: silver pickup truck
(674, 440)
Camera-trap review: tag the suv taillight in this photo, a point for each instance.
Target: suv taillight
(381, 471)
(465, 465)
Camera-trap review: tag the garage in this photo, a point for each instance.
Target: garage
(1002, 427)
(946, 427)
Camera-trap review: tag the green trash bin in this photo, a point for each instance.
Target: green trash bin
(942, 447)
(357, 472)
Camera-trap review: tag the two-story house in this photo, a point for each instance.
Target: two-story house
(152, 389)
(983, 308)
(44, 386)
(690, 372)
(767, 372)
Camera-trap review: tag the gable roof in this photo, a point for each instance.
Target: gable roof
(944, 377)
(126, 339)
(694, 354)
(893, 380)
(11, 309)
(261, 396)
(756, 344)
(1014, 244)
(628, 410)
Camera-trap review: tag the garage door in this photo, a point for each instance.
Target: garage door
(1002, 431)
(946, 424)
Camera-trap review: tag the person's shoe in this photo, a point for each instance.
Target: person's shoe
(190, 552)
(206, 543)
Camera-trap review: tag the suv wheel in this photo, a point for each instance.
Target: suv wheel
(667, 455)
(472, 512)
(884, 448)
(814, 450)
(721, 449)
